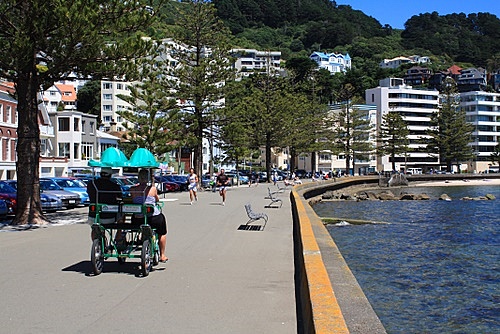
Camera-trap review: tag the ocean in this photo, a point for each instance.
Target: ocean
(426, 266)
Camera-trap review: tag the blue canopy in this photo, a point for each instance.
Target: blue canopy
(113, 157)
(142, 157)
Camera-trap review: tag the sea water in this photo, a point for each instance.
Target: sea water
(426, 266)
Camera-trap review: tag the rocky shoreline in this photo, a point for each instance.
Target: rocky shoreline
(373, 193)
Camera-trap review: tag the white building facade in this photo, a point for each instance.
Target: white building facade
(332, 62)
(416, 107)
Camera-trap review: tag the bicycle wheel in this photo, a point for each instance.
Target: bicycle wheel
(146, 262)
(97, 256)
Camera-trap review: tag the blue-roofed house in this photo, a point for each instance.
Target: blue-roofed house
(333, 62)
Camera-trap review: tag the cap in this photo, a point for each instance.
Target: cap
(106, 171)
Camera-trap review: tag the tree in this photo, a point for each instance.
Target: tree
(89, 98)
(352, 128)
(450, 134)
(393, 136)
(42, 41)
(495, 155)
(203, 68)
(153, 113)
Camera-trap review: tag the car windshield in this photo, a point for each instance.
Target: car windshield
(5, 188)
(49, 185)
(69, 183)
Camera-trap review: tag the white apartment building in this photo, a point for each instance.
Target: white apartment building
(111, 104)
(416, 107)
(483, 111)
(249, 61)
(398, 61)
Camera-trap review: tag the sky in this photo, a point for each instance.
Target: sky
(397, 12)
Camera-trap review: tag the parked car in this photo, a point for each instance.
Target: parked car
(165, 186)
(69, 200)
(9, 195)
(4, 209)
(301, 173)
(181, 180)
(75, 186)
(125, 182)
(50, 202)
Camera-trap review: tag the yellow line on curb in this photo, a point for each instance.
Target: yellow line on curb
(327, 315)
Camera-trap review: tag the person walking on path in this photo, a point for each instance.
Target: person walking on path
(222, 183)
(146, 193)
(193, 186)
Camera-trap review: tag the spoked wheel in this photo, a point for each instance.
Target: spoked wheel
(97, 256)
(146, 261)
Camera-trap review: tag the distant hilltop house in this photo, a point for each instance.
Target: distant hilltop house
(398, 61)
(333, 62)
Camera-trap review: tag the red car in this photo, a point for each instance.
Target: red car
(9, 195)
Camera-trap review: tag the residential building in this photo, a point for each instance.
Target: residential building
(8, 134)
(398, 61)
(249, 61)
(333, 62)
(59, 94)
(416, 107)
(111, 104)
(471, 79)
(483, 112)
(417, 76)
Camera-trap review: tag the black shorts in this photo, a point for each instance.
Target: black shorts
(158, 222)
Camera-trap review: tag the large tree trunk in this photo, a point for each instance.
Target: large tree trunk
(29, 209)
(293, 156)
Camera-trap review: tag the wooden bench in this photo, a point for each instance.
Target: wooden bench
(273, 199)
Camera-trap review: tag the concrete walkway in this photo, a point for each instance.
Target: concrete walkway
(218, 280)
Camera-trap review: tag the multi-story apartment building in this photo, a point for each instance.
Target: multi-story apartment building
(483, 112)
(416, 107)
(111, 104)
(249, 61)
(333, 62)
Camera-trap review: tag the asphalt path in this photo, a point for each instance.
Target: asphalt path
(218, 280)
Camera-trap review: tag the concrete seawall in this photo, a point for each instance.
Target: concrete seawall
(328, 296)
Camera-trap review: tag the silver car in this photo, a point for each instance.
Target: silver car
(50, 202)
(69, 200)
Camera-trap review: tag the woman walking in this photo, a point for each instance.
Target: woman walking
(193, 186)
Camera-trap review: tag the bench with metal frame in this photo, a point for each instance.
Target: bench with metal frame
(273, 199)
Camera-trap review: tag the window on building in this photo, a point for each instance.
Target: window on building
(9, 114)
(92, 126)
(76, 151)
(107, 107)
(107, 96)
(52, 93)
(87, 151)
(1, 112)
(107, 85)
(76, 124)
(119, 86)
(64, 150)
(63, 123)
(107, 118)
(84, 130)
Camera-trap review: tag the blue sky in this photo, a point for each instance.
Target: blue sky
(396, 12)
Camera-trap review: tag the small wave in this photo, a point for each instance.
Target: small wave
(342, 223)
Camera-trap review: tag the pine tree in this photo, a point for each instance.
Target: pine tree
(153, 119)
(203, 68)
(393, 137)
(450, 134)
(43, 41)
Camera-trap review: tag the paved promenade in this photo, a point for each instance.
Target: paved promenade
(218, 280)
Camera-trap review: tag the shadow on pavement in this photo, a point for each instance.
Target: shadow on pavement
(129, 268)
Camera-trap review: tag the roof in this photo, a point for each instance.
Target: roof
(455, 70)
(68, 92)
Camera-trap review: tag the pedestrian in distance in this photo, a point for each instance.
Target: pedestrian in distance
(222, 183)
(193, 185)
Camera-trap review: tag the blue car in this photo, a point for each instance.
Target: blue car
(4, 209)
(73, 185)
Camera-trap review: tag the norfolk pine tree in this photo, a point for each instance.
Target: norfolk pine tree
(43, 41)
(203, 68)
(153, 115)
(450, 134)
(393, 137)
